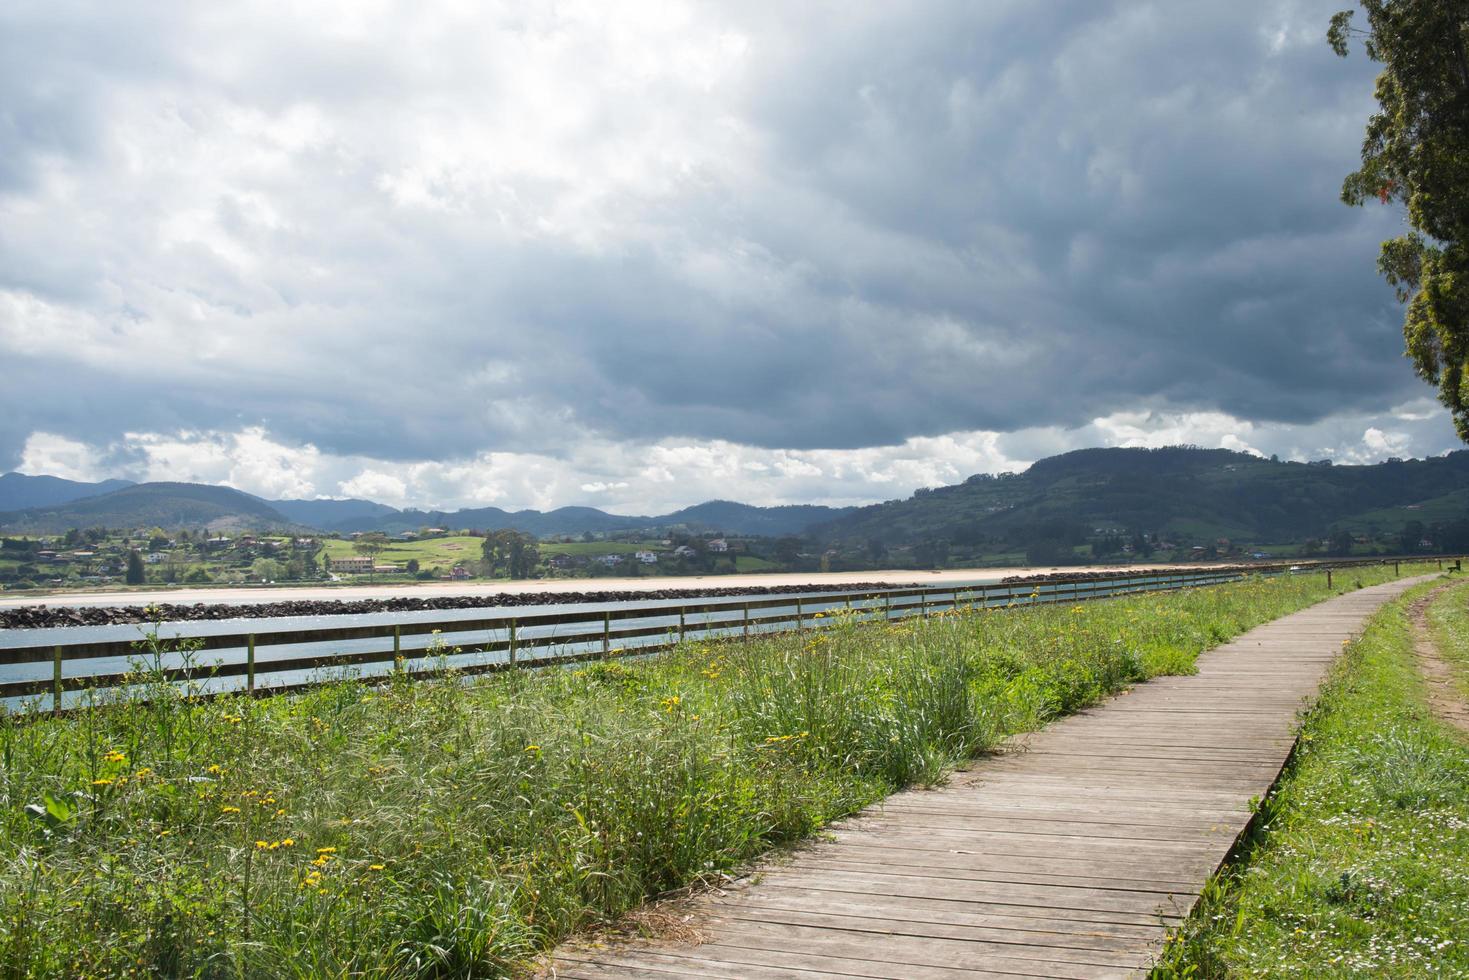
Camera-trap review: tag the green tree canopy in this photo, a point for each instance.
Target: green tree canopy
(134, 575)
(1416, 152)
(514, 552)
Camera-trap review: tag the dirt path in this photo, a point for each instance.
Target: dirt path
(1445, 697)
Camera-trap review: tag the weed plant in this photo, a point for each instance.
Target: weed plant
(442, 827)
(1359, 865)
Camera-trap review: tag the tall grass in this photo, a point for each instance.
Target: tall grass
(405, 828)
(1359, 866)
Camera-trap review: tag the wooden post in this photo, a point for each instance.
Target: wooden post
(607, 632)
(887, 607)
(250, 663)
(56, 681)
(682, 623)
(512, 643)
(1395, 569)
(747, 622)
(1328, 578)
(397, 648)
(922, 604)
(799, 624)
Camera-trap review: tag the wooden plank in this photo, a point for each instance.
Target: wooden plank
(932, 946)
(1069, 853)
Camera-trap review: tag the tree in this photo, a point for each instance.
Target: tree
(412, 566)
(513, 551)
(370, 544)
(135, 575)
(1416, 152)
(267, 569)
(1409, 540)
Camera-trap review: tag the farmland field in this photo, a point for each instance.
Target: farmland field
(432, 554)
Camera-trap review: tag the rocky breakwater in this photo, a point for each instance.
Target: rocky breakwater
(40, 616)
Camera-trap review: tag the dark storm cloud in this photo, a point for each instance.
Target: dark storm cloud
(399, 238)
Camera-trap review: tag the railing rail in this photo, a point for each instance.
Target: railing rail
(507, 639)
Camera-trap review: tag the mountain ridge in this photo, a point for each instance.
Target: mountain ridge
(170, 504)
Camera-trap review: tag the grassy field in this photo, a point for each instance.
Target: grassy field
(435, 553)
(593, 548)
(1360, 867)
(440, 828)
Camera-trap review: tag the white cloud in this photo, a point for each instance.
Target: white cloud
(646, 253)
(652, 478)
(47, 454)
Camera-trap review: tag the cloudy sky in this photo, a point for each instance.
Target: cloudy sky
(637, 255)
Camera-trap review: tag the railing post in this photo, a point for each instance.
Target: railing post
(887, 607)
(1395, 569)
(747, 622)
(922, 604)
(799, 624)
(397, 648)
(1328, 578)
(682, 623)
(607, 632)
(56, 681)
(250, 664)
(512, 643)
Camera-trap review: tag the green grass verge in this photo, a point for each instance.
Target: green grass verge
(1448, 618)
(440, 828)
(1359, 864)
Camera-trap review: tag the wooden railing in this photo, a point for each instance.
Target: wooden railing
(265, 658)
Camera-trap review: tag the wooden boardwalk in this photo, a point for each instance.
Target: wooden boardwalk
(1069, 856)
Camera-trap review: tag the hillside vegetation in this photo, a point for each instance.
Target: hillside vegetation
(1183, 494)
(166, 505)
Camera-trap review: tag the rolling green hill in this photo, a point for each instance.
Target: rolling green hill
(166, 505)
(1180, 494)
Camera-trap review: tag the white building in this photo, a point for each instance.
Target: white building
(647, 557)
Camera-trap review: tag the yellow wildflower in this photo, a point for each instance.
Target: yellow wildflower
(114, 756)
(229, 809)
(375, 867)
(102, 782)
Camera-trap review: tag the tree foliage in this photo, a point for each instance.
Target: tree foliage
(1416, 152)
(134, 574)
(514, 552)
(370, 544)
